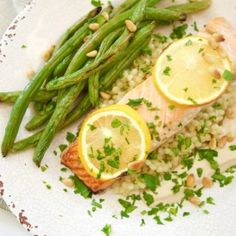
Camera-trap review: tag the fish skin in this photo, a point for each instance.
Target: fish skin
(172, 118)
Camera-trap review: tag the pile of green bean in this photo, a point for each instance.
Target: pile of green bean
(84, 63)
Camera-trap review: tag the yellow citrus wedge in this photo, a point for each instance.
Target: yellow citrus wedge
(192, 72)
(112, 140)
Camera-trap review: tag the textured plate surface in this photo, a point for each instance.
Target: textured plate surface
(54, 212)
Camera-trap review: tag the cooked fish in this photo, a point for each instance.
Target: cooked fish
(168, 121)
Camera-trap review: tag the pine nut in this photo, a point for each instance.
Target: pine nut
(48, 54)
(106, 15)
(105, 96)
(230, 137)
(94, 26)
(213, 43)
(68, 182)
(222, 142)
(212, 143)
(85, 38)
(92, 54)
(190, 182)
(229, 113)
(130, 26)
(206, 182)
(209, 58)
(30, 74)
(195, 201)
(218, 37)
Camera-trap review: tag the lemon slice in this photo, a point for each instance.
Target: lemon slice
(112, 140)
(191, 72)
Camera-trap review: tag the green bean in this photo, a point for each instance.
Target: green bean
(75, 27)
(27, 95)
(41, 96)
(93, 82)
(27, 143)
(56, 120)
(191, 7)
(85, 105)
(40, 118)
(124, 7)
(61, 68)
(38, 106)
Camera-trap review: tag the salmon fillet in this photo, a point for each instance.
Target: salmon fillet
(169, 121)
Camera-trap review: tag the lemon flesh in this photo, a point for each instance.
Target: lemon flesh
(112, 140)
(190, 72)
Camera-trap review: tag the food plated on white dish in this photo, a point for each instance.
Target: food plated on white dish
(153, 114)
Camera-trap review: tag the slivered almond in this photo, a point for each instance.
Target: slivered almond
(92, 54)
(94, 26)
(130, 26)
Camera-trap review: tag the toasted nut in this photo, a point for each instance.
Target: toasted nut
(106, 15)
(222, 142)
(229, 113)
(30, 74)
(206, 182)
(213, 43)
(105, 96)
(92, 54)
(230, 137)
(212, 143)
(218, 37)
(94, 26)
(48, 54)
(217, 74)
(209, 29)
(190, 182)
(85, 38)
(130, 26)
(68, 182)
(222, 52)
(209, 58)
(195, 200)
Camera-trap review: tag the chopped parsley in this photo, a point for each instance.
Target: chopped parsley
(23, 46)
(151, 181)
(44, 168)
(116, 123)
(107, 230)
(62, 147)
(186, 213)
(148, 198)
(189, 43)
(179, 31)
(223, 180)
(192, 100)
(92, 127)
(227, 75)
(129, 207)
(232, 148)
(169, 57)
(199, 172)
(161, 38)
(210, 201)
(171, 107)
(201, 50)
(153, 131)
(209, 155)
(70, 137)
(134, 103)
(96, 3)
(167, 71)
(195, 27)
(80, 187)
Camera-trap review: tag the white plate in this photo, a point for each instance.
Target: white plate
(54, 212)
